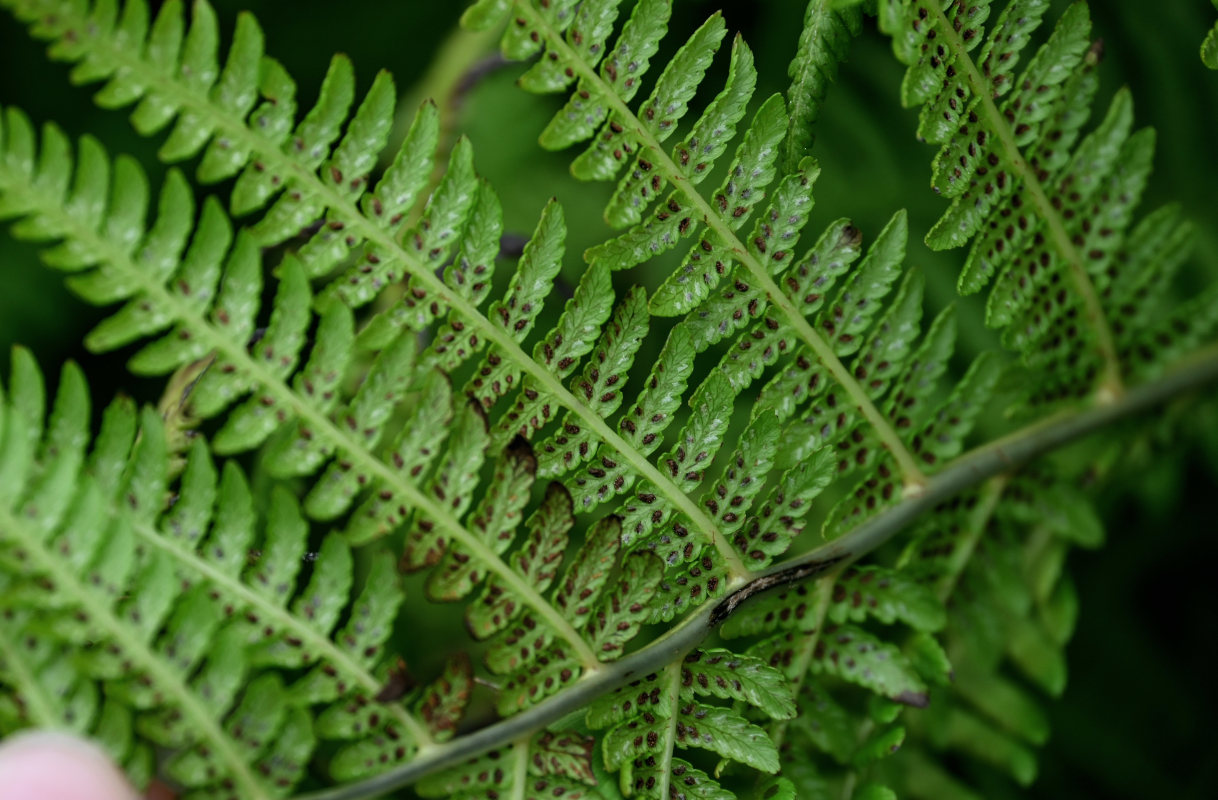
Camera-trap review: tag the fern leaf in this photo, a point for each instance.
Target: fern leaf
(561, 350)
(335, 365)
(443, 703)
(939, 438)
(494, 520)
(622, 70)
(667, 104)
(365, 417)
(205, 619)
(456, 203)
(698, 152)
(601, 384)
(822, 44)
(548, 528)
(643, 424)
(854, 655)
(718, 248)
(719, 673)
(1037, 207)
(972, 552)
(769, 532)
(522, 302)
(752, 170)
(279, 347)
(384, 259)
(732, 497)
(886, 595)
(330, 428)
(623, 610)
(589, 572)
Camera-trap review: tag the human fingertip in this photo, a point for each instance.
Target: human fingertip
(53, 765)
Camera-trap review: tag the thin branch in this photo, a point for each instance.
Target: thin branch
(714, 220)
(963, 473)
(520, 768)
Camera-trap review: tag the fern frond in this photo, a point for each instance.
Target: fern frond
(168, 605)
(1011, 611)
(661, 496)
(317, 412)
(804, 326)
(414, 482)
(414, 398)
(392, 246)
(1043, 208)
(277, 161)
(417, 485)
(312, 426)
(822, 46)
(627, 135)
(1018, 607)
(829, 652)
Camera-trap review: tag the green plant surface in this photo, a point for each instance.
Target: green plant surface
(570, 441)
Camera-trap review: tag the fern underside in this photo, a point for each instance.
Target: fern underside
(212, 588)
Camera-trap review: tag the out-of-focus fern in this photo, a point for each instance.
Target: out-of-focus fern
(409, 409)
(1048, 210)
(1209, 46)
(179, 619)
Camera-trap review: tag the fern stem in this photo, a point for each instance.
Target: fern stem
(1112, 384)
(312, 640)
(235, 129)
(118, 259)
(520, 769)
(670, 731)
(663, 163)
(963, 473)
(200, 717)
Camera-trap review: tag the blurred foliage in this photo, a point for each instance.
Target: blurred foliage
(1135, 722)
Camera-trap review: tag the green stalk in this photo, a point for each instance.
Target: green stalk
(965, 472)
(673, 676)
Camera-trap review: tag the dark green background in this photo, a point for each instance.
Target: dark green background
(1137, 720)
